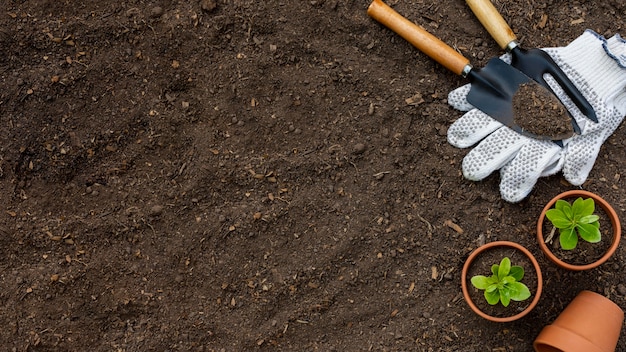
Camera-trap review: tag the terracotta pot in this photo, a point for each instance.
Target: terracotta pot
(617, 230)
(590, 323)
(488, 246)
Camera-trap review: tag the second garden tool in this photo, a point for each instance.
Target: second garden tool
(535, 63)
(493, 88)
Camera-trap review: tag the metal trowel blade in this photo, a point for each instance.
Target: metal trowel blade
(492, 92)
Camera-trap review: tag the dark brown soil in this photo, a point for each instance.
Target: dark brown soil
(240, 175)
(538, 111)
(482, 266)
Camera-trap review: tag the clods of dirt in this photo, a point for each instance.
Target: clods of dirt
(538, 111)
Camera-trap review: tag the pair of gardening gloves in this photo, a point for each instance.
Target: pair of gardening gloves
(597, 67)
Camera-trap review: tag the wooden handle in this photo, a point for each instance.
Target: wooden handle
(418, 36)
(491, 19)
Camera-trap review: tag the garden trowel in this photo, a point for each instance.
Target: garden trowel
(535, 63)
(493, 86)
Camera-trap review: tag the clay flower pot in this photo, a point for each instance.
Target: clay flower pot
(472, 260)
(610, 212)
(590, 323)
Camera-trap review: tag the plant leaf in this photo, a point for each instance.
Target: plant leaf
(480, 282)
(588, 219)
(568, 210)
(492, 297)
(589, 233)
(558, 218)
(507, 280)
(494, 269)
(584, 207)
(492, 287)
(568, 238)
(505, 268)
(518, 291)
(517, 272)
(505, 297)
(561, 204)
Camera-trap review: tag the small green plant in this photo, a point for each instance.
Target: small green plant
(573, 220)
(504, 284)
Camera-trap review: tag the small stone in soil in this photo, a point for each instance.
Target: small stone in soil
(538, 111)
(208, 5)
(156, 210)
(156, 12)
(358, 148)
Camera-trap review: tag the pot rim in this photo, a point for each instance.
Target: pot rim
(615, 223)
(563, 335)
(471, 259)
(554, 338)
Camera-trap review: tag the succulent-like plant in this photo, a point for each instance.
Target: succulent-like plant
(504, 284)
(573, 220)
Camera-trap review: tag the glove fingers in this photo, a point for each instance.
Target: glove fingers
(519, 176)
(458, 98)
(596, 66)
(583, 150)
(471, 128)
(554, 167)
(580, 157)
(492, 153)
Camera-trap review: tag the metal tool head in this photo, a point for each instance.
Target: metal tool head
(493, 88)
(535, 63)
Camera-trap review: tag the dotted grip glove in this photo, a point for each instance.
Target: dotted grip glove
(597, 67)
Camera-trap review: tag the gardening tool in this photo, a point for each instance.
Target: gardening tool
(492, 87)
(535, 63)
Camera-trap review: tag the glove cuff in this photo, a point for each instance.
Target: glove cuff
(599, 63)
(616, 48)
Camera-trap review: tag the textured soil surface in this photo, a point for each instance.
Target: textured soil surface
(239, 175)
(538, 111)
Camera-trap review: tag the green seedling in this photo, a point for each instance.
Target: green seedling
(504, 284)
(573, 220)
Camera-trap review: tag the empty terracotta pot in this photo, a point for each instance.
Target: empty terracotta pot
(590, 323)
(615, 223)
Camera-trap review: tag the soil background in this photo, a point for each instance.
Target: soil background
(239, 175)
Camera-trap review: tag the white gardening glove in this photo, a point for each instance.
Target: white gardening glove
(598, 69)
